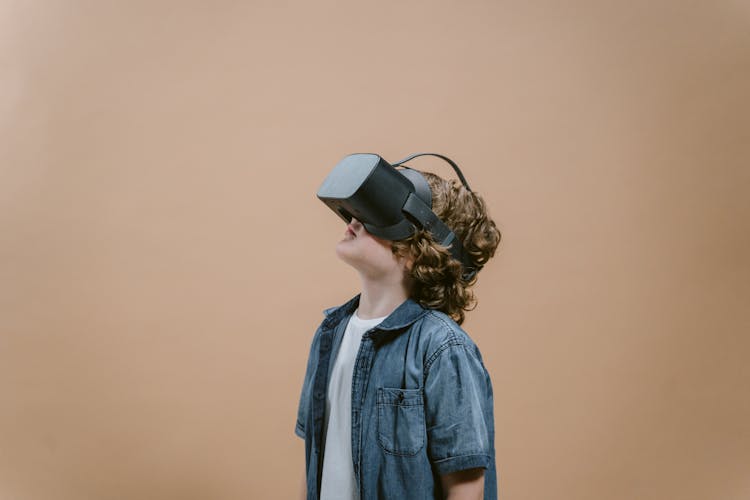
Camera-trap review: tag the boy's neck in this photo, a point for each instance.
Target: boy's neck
(380, 299)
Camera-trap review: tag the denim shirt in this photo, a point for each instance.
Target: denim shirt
(422, 404)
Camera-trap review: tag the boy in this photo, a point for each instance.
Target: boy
(396, 402)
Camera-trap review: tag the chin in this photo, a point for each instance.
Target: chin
(341, 251)
(351, 258)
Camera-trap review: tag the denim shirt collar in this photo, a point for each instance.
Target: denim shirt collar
(404, 315)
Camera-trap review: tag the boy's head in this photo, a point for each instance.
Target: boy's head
(390, 203)
(431, 274)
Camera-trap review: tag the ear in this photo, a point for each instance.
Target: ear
(407, 263)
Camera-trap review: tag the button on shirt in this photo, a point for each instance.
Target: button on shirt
(421, 404)
(338, 481)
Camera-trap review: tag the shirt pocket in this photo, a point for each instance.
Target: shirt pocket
(401, 427)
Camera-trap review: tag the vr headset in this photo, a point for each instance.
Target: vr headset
(390, 203)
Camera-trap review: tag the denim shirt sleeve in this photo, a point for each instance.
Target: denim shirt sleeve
(304, 399)
(459, 413)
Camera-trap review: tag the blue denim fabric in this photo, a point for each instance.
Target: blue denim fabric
(421, 404)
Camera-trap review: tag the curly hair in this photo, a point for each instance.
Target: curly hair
(436, 277)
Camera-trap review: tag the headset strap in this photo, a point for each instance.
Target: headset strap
(455, 167)
(441, 233)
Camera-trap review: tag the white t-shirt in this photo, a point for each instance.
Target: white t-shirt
(338, 482)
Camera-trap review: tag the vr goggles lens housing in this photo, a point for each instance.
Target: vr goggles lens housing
(390, 203)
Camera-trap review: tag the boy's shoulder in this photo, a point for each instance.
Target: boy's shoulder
(440, 332)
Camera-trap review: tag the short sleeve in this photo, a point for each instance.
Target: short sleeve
(303, 409)
(459, 414)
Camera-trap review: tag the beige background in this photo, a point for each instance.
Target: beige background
(164, 261)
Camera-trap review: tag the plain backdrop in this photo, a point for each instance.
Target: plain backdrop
(164, 261)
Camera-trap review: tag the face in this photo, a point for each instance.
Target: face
(368, 254)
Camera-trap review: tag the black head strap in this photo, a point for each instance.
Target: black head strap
(419, 206)
(455, 167)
